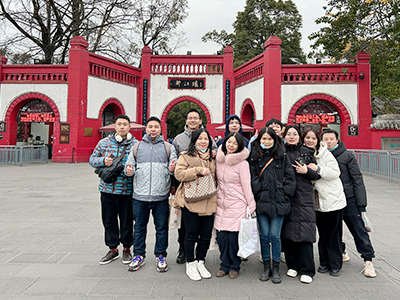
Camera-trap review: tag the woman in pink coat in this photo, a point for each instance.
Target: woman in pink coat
(234, 195)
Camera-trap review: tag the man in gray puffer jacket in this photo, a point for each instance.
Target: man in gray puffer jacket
(151, 163)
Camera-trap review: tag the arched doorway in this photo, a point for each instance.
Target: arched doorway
(35, 114)
(320, 111)
(36, 119)
(109, 110)
(248, 116)
(173, 119)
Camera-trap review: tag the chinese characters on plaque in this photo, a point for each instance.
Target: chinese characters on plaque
(186, 83)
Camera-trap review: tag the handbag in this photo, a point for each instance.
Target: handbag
(109, 174)
(248, 238)
(201, 188)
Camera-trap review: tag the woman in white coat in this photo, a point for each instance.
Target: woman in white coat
(329, 204)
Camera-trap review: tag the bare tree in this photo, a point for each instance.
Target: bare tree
(112, 27)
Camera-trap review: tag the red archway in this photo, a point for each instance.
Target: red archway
(175, 102)
(247, 110)
(14, 108)
(115, 105)
(337, 105)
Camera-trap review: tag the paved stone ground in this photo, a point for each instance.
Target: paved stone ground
(51, 239)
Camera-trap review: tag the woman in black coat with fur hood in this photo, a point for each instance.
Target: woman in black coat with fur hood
(298, 229)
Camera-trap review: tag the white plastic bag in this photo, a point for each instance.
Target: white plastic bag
(249, 239)
(175, 216)
(213, 241)
(367, 222)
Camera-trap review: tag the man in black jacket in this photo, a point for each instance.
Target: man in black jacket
(356, 197)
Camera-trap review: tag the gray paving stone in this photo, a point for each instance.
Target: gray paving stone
(47, 271)
(62, 286)
(51, 239)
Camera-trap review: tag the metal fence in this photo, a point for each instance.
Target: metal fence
(379, 163)
(23, 154)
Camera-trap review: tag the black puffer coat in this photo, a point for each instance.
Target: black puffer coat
(276, 185)
(299, 225)
(351, 177)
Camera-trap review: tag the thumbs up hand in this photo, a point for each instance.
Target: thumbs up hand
(108, 160)
(129, 170)
(172, 166)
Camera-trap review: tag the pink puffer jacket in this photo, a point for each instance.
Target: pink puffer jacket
(234, 192)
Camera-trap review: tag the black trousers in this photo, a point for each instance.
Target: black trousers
(198, 229)
(229, 246)
(299, 256)
(355, 224)
(115, 206)
(330, 230)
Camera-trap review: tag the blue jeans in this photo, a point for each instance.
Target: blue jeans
(160, 212)
(270, 232)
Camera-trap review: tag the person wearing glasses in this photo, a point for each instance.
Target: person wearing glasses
(181, 143)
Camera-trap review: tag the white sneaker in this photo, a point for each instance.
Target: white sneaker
(369, 270)
(305, 279)
(291, 273)
(191, 271)
(201, 268)
(283, 259)
(345, 256)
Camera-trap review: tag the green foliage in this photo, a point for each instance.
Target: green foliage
(260, 20)
(364, 25)
(176, 119)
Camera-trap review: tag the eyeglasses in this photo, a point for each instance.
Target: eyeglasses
(193, 118)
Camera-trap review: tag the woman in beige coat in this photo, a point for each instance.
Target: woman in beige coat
(199, 216)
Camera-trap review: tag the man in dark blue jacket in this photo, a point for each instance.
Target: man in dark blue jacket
(356, 197)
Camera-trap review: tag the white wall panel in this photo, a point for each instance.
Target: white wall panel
(58, 93)
(253, 91)
(100, 90)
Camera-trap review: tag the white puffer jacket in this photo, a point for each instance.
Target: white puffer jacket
(329, 187)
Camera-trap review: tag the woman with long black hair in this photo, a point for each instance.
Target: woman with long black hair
(272, 182)
(298, 229)
(198, 216)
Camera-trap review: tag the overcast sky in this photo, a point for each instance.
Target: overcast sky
(207, 15)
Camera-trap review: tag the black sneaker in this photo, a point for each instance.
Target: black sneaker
(110, 256)
(181, 259)
(126, 256)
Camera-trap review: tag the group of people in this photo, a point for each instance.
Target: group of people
(294, 183)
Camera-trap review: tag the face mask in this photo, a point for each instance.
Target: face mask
(334, 147)
(201, 149)
(264, 147)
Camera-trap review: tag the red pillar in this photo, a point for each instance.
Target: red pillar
(272, 79)
(6, 135)
(228, 75)
(364, 101)
(78, 72)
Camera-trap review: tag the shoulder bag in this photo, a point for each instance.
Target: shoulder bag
(109, 174)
